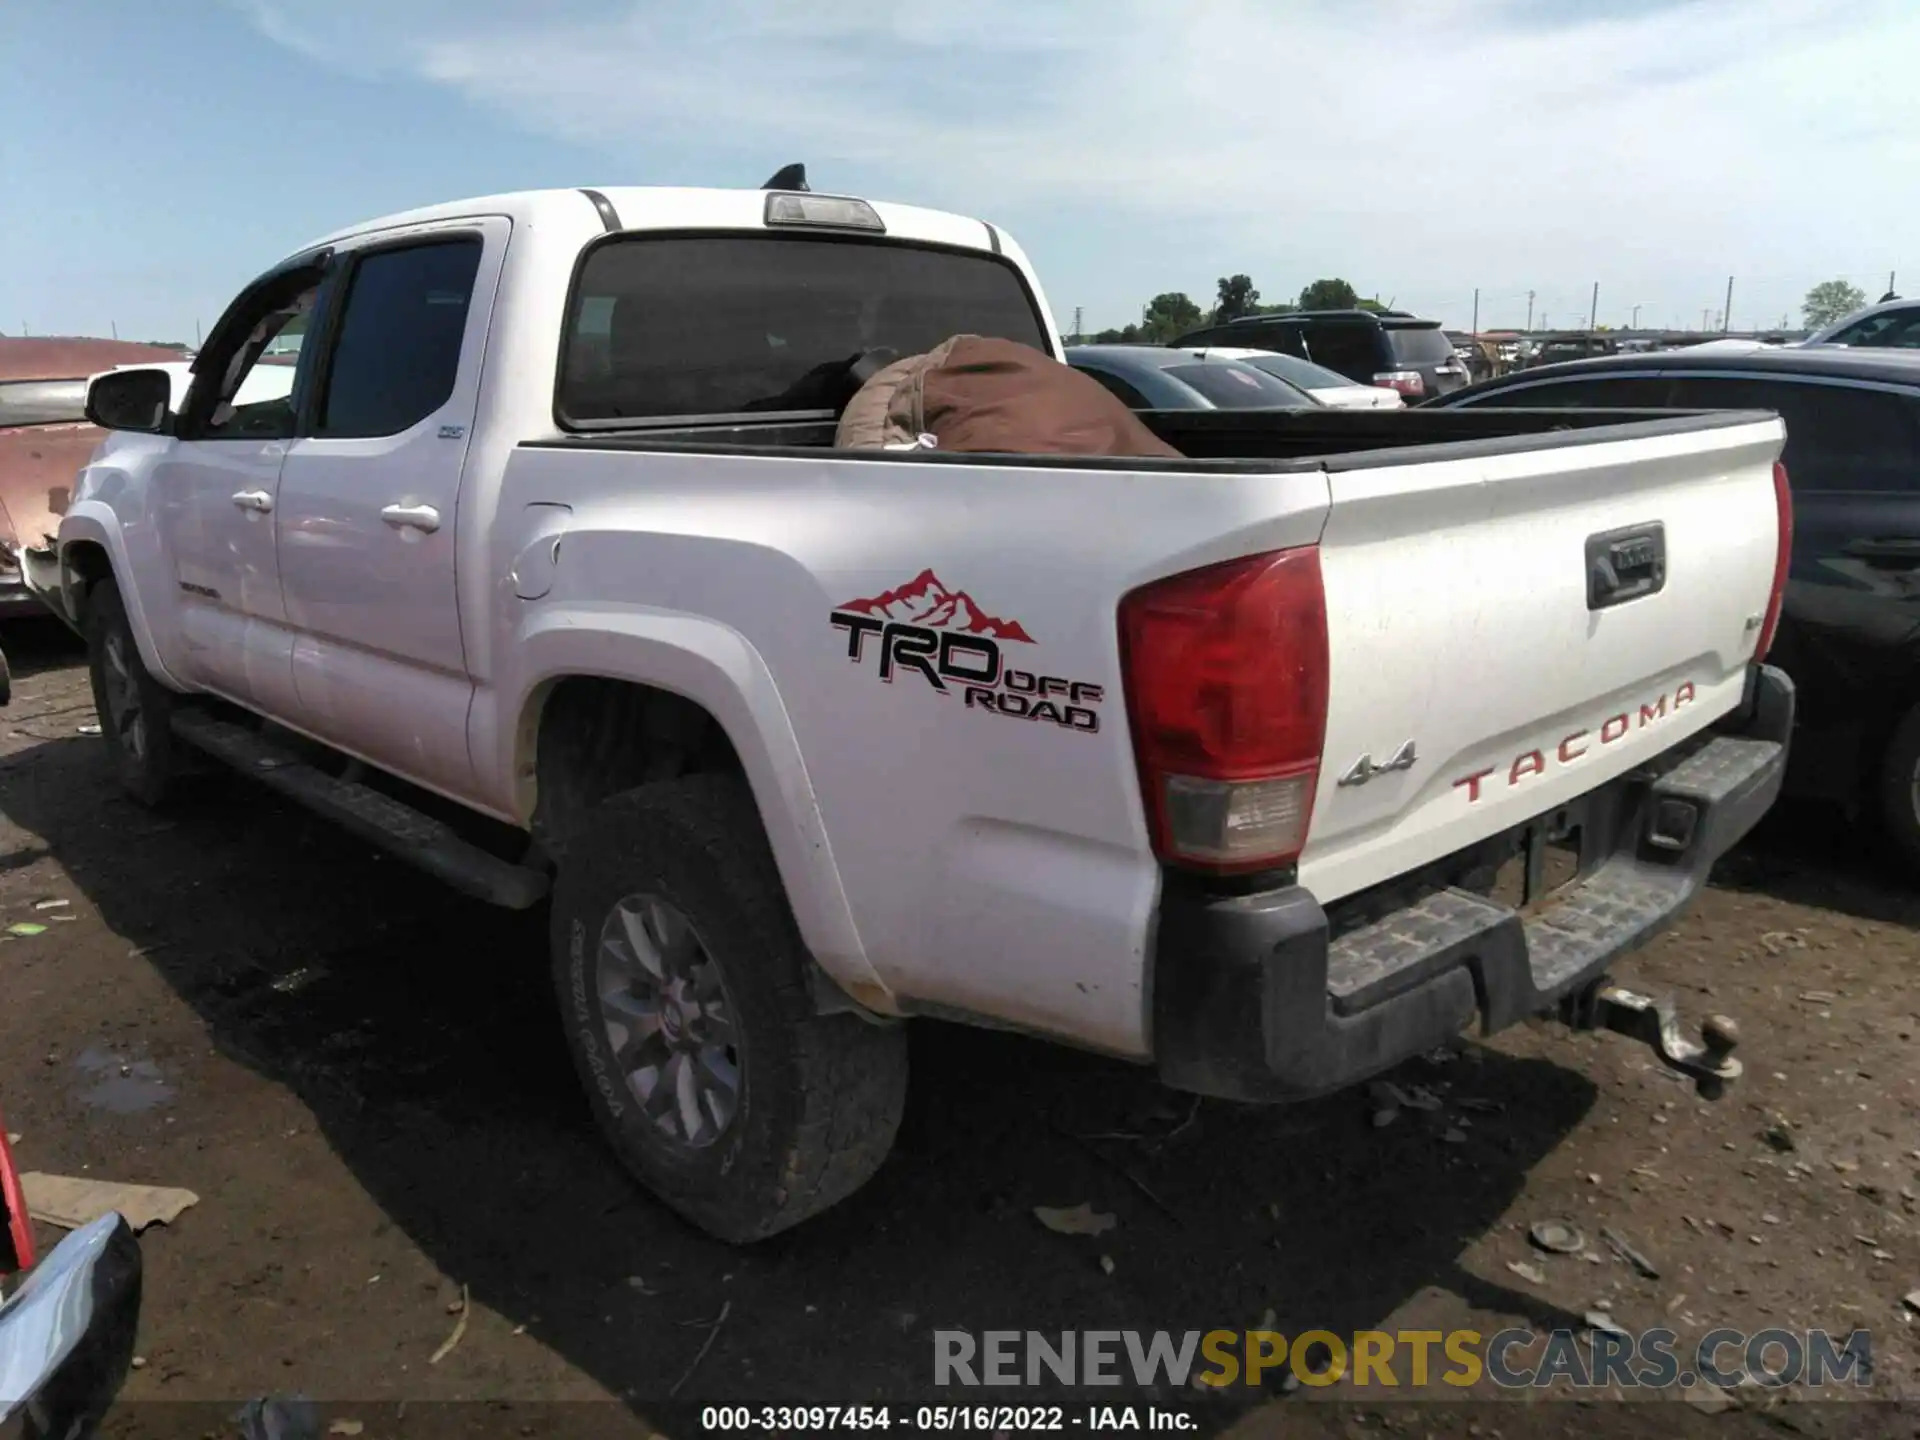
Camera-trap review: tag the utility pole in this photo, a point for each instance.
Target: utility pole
(1076, 325)
(114, 325)
(1593, 315)
(1476, 309)
(196, 334)
(1726, 315)
(1635, 325)
(1529, 310)
(1704, 310)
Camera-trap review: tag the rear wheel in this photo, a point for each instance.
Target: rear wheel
(135, 710)
(683, 985)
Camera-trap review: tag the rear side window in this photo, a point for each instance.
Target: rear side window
(1238, 387)
(1261, 335)
(398, 351)
(735, 324)
(1838, 437)
(1295, 371)
(1895, 330)
(1352, 350)
(42, 402)
(1419, 346)
(1121, 390)
(1589, 392)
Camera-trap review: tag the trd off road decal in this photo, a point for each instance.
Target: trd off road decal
(942, 636)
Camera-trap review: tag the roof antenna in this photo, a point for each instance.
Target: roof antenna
(788, 177)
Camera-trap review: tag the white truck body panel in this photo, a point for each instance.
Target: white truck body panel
(975, 887)
(1457, 610)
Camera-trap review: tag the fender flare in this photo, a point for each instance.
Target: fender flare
(717, 668)
(92, 521)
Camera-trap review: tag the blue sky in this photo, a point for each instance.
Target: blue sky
(153, 157)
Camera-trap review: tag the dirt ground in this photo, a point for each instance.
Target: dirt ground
(360, 1076)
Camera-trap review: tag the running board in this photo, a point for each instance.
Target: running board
(419, 839)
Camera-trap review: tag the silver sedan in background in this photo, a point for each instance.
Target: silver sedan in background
(1153, 377)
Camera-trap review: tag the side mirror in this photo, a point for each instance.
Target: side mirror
(137, 400)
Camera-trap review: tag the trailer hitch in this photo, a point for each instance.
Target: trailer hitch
(1656, 1023)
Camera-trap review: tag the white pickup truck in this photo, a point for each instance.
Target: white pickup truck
(544, 573)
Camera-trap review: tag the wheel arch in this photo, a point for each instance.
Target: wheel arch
(637, 695)
(93, 549)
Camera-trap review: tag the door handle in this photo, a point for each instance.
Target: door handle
(1626, 564)
(1892, 551)
(419, 517)
(257, 501)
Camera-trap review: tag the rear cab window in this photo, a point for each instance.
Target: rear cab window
(1234, 386)
(42, 402)
(1351, 348)
(1419, 345)
(673, 326)
(1588, 392)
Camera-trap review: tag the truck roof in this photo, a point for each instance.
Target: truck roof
(662, 207)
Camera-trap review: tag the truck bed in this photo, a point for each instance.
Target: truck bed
(1215, 440)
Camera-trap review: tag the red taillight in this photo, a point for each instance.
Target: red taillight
(1407, 382)
(1226, 676)
(16, 1233)
(1782, 558)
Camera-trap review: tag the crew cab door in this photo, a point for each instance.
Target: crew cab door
(368, 499)
(216, 487)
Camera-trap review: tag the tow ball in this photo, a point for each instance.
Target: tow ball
(1656, 1023)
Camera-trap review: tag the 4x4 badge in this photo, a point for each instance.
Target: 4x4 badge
(1364, 769)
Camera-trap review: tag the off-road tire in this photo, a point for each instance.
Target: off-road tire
(820, 1095)
(146, 771)
(1899, 801)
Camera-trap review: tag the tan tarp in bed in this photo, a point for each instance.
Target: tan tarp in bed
(976, 394)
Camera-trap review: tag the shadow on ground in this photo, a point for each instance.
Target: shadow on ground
(1810, 853)
(417, 1028)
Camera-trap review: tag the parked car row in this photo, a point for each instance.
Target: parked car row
(1850, 627)
(1391, 348)
(1154, 377)
(1850, 396)
(1328, 387)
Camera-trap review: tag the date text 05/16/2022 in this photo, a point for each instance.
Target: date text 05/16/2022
(983, 1419)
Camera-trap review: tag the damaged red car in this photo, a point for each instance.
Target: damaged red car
(45, 438)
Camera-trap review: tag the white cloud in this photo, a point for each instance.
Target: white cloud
(1506, 143)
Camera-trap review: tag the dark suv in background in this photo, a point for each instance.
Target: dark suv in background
(1850, 627)
(1391, 348)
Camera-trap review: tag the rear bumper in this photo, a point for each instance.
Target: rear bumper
(1263, 997)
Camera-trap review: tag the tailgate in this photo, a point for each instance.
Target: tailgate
(1461, 633)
